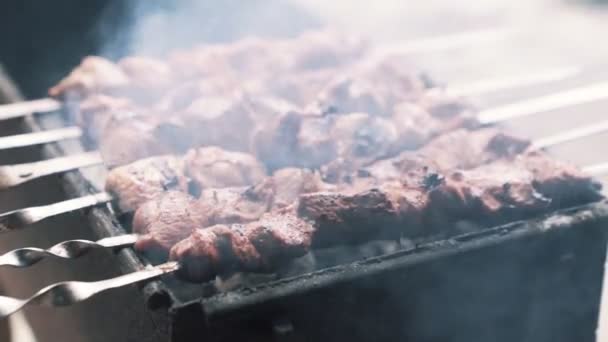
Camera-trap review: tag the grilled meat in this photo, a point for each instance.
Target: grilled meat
(276, 193)
(213, 167)
(459, 149)
(504, 191)
(98, 112)
(128, 138)
(93, 75)
(563, 183)
(167, 219)
(295, 140)
(148, 78)
(347, 217)
(145, 180)
(171, 216)
(258, 246)
(358, 152)
(237, 205)
(375, 89)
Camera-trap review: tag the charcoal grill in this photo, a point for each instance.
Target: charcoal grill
(538, 280)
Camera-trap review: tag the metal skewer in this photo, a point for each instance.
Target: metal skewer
(41, 137)
(563, 99)
(18, 219)
(12, 175)
(16, 110)
(71, 292)
(528, 79)
(69, 249)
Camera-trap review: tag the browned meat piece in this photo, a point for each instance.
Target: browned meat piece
(465, 149)
(489, 195)
(290, 183)
(93, 75)
(348, 217)
(237, 205)
(129, 138)
(352, 140)
(148, 78)
(97, 111)
(213, 167)
(258, 246)
(374, 89)
(563, 183)
(297, 140)
(275, 193)
(508, 190)
(362, 137)
(418, 205)
(227, 122)
(167, 219)
(144, 180)
(460, 149)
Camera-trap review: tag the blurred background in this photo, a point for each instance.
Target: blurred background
(40, 41)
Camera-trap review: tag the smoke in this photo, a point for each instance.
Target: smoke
(156, 27)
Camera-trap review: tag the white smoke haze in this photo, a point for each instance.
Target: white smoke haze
(548, 34)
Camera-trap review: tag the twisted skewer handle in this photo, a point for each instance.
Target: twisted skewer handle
(70, 249)
(71, 292)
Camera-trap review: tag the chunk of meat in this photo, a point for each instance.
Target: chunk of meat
(228, 122)
(130, 137)
(375, 89)
(565, 184)
(93, 75)
(295, 140)
(290, 183)
(258, 246)
(508, 190)
(489, 195)
(98, 111)
(276, 193)
(237, 205)
(167, 219)
(213, 167)
(149, 78)
(350, 217)
(144, 180)
(465, 149)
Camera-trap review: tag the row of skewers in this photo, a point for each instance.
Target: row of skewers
(20, 173)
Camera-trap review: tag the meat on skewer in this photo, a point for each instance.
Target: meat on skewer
(161, 223)
(93, 75)
(144, 180)
(258, 246)
(166, 220)
(392, 210)
(213, 167)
